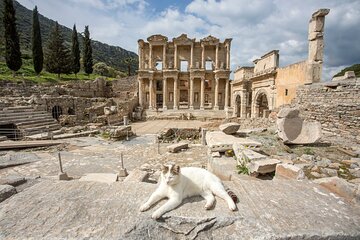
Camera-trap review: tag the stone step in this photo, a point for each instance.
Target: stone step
(23, 119)
(34, 123)
(19, 109)
(44, 128)
(5, 114)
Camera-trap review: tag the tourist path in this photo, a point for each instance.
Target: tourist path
(155, 126)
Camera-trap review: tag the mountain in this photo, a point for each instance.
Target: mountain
(355, 68)
(111, 55)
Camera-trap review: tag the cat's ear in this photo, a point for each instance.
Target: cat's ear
(164, 168)
(176, 169)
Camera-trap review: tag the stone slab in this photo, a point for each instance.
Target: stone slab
(136, 176)
(221, 142)
(12, 180)
(223, 167)
(289, 171)
(339, 186)
(99, 177)
(174, 148)
(229, 128)
(90, 210)
(6, 191)
(26, 144)
(263, 166)
(244, 155)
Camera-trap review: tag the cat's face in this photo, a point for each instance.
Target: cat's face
(170, 173)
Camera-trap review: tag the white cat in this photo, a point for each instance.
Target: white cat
(176, 185)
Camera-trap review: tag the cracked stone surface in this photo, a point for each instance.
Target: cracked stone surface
(89, 210)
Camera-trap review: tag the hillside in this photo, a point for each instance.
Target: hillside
(112, 55)
(355, 68)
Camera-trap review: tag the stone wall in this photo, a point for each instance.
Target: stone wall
(336, 105)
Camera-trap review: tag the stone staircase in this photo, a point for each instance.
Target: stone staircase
(25, 121)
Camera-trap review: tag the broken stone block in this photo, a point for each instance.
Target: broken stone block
(229, 128)
(317, 175)
(215, 154)
(339, 186)
(329, 172)
(334, 165)
(137, 176)
(221, 142)
(6, 191)
(174, 148)
(100, 177)
(121, 132)
(263, 166)
(355, 172)
(12, 180)
(245, 155)
(294, 130)
(289, 171)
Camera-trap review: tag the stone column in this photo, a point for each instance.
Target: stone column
(175, 58)
(151, 92)
(216, 102)
(141, 101)
(243, 104)
(191, 93)
(176, 101)
(228, 56)
(192, 56)
(165, 94)
(140, 57)
(164, 66)
(217, 57)
(150, 57)
(202, 93)
(202, 56)
(226, 94)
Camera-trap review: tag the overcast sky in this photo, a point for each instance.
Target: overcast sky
(256, 26)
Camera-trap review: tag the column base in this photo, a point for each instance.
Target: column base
(164, 108)
(176, 108)
(202, 108)
(216, 108)
(191, 107)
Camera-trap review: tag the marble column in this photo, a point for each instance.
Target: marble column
(164, 66)
(151, 92)
(165, 94)
(202, 56)
(175, 58)
(202, 93)
(216, 102)
(228, 56)
(150, 57)
(192, 56)
(176, 101)
(191, 93)
(217, 57)
(141, 103)
(226, 94)
(243, 104)
(140, 57)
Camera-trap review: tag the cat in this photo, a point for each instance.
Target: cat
(177, 184)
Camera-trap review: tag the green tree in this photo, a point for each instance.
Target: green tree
(87, 57)
(57, 54)
(12, 46)
(101, 69)
(129, 62)
(75, 52)
(36, 43)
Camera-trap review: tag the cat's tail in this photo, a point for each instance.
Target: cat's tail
(232, 195)
(219, 191)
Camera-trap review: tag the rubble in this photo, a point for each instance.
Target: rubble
(229, 128)
(174, 148)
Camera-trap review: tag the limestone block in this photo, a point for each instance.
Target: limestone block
(221, 142)
(288, 113)
(316, 49)
(12, 180)
(121, 132)
(244, 155)
(223, 167)
(229, 128)
(338, 185)
(263, 166)
(289, 171)
(177, 147)
(349, 74)
(110, 110)
(137, 176)
(6, 191)
(100, 177)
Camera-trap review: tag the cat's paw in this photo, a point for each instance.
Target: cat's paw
(144, 207)
(156, 215)
(232, 207)
(208, 206)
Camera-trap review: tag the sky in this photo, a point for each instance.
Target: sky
(256, 26)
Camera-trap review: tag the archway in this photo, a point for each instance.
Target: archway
(238, 105)
(262, 105)
(56, 112)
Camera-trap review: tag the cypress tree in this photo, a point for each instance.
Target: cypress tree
(12, 46)
(75, 52)
(37, 51)
(87, 57)
(57, 55)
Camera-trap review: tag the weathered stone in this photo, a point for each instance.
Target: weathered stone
(174, 148)
(12, 180)
(121, 132)
(289, 171)
(223, 167)
(229, 128)
(221, 142)
(355, 172)
(215, 154)
(245, 155)
(355, 181)
(6, 191)
(329, 172)
(110, 110)
(348, 162)
(324, 162)
(288, 113)
(307, 157)
(263, 166)
(334, 165)
(354, 165)
(137, 176)
(338, 186)
(3, 138)
(317, 175)
(99, 177)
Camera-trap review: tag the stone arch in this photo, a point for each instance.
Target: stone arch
(261, 104)
(56, 112)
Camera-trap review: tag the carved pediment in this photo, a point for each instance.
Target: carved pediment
(183, 40)
(210, 40)
(157, 38)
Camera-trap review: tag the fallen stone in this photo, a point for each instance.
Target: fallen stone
(263, 166)
(307, 157)
(355, 180)
(121, 132)
(354, 165)
(223, 167)
(215, 154)
(323, 162)
(245, 155)
(221, 142)
(245, 132)
(12, 159)
(12, 180)
(288, 113)
(6, 191)
(329, 172)
(137, 176)
(355, 172)
(229, 128)
(339, 186)
(348, 162)
(317, 175)
(315, 168)
(99, 177)
(334, 165)
(174, 148)
(289, 171)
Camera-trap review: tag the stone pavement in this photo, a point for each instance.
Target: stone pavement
(280, 209)
(155, 126)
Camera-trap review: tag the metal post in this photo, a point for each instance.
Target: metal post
(61, 168)
(121, 161)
